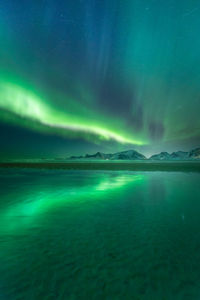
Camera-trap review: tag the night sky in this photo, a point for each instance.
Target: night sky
(80, 76)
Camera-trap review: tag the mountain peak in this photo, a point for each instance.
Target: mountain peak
(123, 155)
(178, 155)
(132, 154)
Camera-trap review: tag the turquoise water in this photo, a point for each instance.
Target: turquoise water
(99, 235)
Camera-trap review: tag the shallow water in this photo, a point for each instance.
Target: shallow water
(99, 235)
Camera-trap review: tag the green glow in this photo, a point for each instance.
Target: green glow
(28, 106)
(43, 200)
(126, 73)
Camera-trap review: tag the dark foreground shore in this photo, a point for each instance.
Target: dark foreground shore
(127, 166)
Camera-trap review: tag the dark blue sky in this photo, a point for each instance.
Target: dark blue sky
(82, 76)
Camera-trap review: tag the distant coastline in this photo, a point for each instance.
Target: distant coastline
(129, 156)
(180, 166)
(133, 155)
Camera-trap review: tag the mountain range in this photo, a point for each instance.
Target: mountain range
(134, 155)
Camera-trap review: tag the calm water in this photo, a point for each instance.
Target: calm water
(99, 235)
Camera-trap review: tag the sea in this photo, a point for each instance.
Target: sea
(110, 235)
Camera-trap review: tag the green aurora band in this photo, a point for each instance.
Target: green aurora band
(24, 105)
(106, 75)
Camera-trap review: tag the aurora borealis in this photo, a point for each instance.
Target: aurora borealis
(86, 75)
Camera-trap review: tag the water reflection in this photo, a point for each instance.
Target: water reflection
(67, 235)
(36, 199)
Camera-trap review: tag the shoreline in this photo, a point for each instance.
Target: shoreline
(183, 166)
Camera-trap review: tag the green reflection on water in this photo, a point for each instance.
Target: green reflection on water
(42, 198)
(99, 235)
